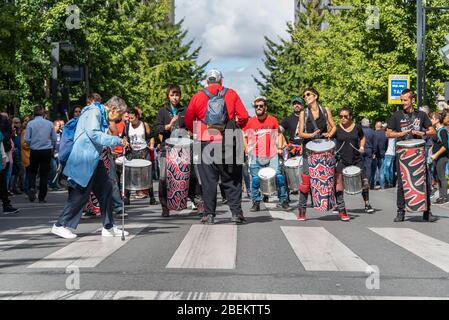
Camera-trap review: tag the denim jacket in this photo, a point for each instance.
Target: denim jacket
(89, 141)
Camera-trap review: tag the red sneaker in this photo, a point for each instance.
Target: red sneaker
(301, 214)
(344, 216)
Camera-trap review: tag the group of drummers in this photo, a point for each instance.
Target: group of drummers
(308, 153)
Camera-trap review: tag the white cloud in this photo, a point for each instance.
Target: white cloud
(231, 33)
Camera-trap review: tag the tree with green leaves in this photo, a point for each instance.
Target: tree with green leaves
(349, 62)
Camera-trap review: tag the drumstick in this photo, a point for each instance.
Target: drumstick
(123, 196)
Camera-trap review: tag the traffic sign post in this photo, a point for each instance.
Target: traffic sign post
(397, 84)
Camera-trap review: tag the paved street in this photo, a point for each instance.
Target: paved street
(273, 256)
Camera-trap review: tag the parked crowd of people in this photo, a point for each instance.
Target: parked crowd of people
(105, 131)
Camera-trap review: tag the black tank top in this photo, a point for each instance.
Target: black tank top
(321, 123)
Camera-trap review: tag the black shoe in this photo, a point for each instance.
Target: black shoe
(17, 192)
(442, 200)
(294, 192)
(208, 219)
(400, 216)
(89, 215)
(429, 217)
(42, 201)
(285, 205)
(255, 207)
(126, 201)
(10, 209)
(266, 199)
(165, 212)
(238, 219)
(32, 195)
(153, 202)
(369, 209)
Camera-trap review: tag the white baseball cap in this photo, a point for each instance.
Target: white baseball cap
(214, 76)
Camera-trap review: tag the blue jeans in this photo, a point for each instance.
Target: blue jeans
(254, 166)
(387, 171)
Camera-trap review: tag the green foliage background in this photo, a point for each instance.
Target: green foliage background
(129, 46)
(349, 63)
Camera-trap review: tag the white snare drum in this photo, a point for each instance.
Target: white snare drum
(320, 145)
(352, 179)
(137, 174)
(267, 178)
(293, 169)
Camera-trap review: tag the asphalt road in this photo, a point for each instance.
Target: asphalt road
(272, 256)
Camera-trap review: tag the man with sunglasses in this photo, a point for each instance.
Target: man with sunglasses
(264, 137)
(406, 124)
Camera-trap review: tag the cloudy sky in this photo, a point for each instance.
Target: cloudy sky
(231, 33)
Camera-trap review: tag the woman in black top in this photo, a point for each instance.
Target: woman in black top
(315, 122)
(350, 147)
(440, 154)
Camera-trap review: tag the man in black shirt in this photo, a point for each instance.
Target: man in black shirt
(404, 125)
(290, 124)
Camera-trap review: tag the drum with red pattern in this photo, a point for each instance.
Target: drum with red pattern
(178, 172)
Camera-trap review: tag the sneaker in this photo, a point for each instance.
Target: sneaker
(113, 232)
(120, 215)
(238, 219)
(400, 216)
(344, 216)
(10, 209)
(301, 214)
(368, 209)
(63, 232)
(255, 207)
(335, 210)
(442, 200)
(427, 216)
(89, 215)
(126, 200)
(285, 205)
(208, 219)
(194, 207)
(165, 212)
(266, 199)
(153, 202)
(32, 195)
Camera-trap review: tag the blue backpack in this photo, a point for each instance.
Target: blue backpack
(67, 140)
(216, 115)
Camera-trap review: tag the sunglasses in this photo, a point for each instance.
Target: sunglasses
(259, 106)
(343, 116)
(308, 94)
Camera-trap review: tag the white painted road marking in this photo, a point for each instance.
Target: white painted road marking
(319, 250)
(207, 247)
(179, 295)
(430, 249)
(280, 214)
(15, 237)
(88, 251)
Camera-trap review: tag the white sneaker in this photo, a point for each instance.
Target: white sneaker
(113, 232)
(63, 232)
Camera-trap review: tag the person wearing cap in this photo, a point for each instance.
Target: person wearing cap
(289, 126)
(211, 137)
(264, 139)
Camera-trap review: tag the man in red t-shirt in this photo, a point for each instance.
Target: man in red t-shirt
(212, 167)
(263, 135)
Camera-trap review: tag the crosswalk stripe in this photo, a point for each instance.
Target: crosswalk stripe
(15, 237)
(279, 214)
(88, 251)
(430, 249)
(180, 295)
(207, 247)
(319, 250)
